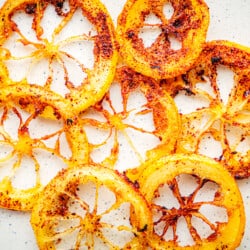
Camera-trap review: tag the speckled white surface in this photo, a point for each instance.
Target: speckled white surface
(230, 20)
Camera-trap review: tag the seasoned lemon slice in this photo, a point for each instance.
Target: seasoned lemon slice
(220, 81)
(33, 149)
(175, 202)
(91, 207)
(135, 111)
(186, 28)
(71, 60)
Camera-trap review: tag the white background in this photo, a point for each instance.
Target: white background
(229, 20)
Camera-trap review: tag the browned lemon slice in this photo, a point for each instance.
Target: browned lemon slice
(187, 26)
(220, 81)
(47, 61)
(33, 149)
(160, 181)
(135, 111)
(91, 207)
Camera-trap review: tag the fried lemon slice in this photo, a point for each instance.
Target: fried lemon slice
(220, 81)
(71, 60)
(90, 207)
(186, 28)
(135, 121)
(33, 149)
(186, 192)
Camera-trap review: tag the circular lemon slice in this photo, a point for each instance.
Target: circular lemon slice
(175, 202)
(178, 44)
(71, 60)
(220, 81)
(90, 207)
(33, 148)
(136, 120)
